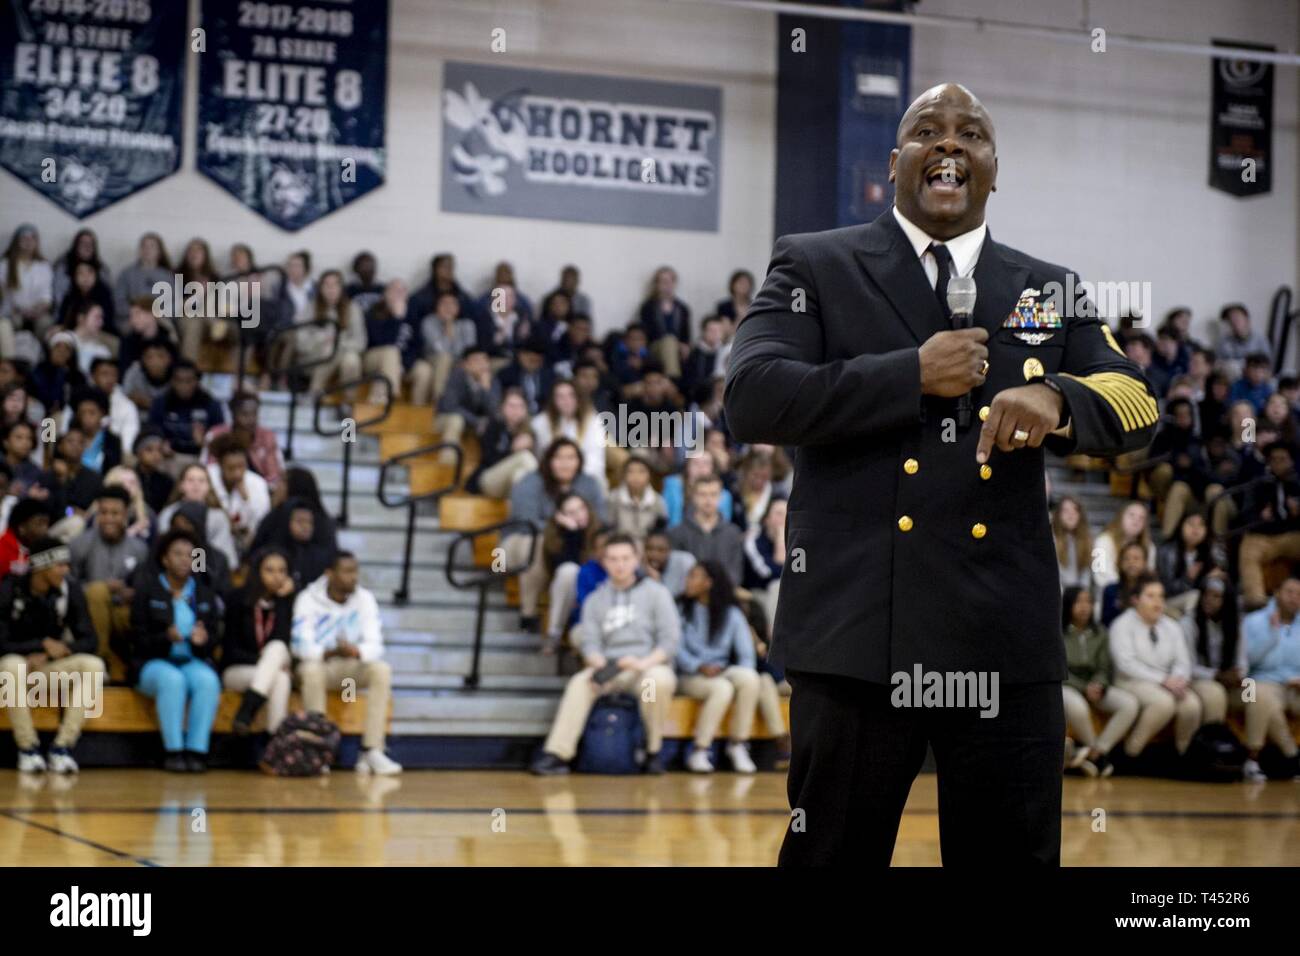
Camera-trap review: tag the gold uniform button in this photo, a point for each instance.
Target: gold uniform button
(905, 523)
(986, 472)
(911, 466)
(1033, 368)
(978, 531)
(984, 413)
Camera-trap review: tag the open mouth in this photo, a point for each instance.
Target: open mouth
(945, 178)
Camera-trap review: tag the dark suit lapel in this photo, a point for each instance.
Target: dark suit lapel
(893, 267)
(998, 285)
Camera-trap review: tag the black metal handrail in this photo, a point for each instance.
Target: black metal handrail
(409, 501)
(295, 369)
(483, 579)
(1280, 319)
(1232, 492)
(371, 379)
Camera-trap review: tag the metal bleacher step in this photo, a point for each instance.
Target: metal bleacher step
(411, 663)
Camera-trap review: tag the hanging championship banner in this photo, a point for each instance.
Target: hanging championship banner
(292, 104)
(91, 93)
(546, 145)
(1241, 124)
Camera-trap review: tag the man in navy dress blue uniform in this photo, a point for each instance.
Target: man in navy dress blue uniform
(919, 544)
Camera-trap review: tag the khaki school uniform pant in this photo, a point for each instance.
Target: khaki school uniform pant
(1159, 707)
(1122, 707)
(1266, 717)
(375, 676)
(15, 665)
(738, 685)
(653, 687)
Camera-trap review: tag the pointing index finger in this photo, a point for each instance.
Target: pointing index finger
(988, 433)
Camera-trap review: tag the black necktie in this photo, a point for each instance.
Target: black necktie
(1154, 638)
(944, 258)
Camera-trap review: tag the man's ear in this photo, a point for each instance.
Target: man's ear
(995, 175)
(893, 161)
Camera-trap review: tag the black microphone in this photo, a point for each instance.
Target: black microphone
(961, 303)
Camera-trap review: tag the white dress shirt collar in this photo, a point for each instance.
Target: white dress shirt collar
(965, 249)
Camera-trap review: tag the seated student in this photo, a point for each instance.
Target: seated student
(72, 486)
(255, 655)
(630, 622)
(143, 329)
(1273, 663)
(635, 508)
(195, 488)
(211, 565)
(1185, 561)
(147, 379)
(243, 493)
(313, 343)
(29, 522)
(765, 558)
(665, 565)
(754, 489)
(58, 375)
(297, 490)
(705, 535)
(1272, 514)
(702, 365)
(1117, 597)
(260, 443)
(309, 554)
(139, 516)
(156, 484)
(467, 401)
(716, 664)
(507, 448)
(90, 414)
(336, 636)
(1217, 654)
(18, 441)
(136, 281)
(185, 412)
(566, 415)
(123, 416)
(1090, 682)
(366, 290)
(1152, 663)
(174, 624)
(44, 627)
(534, 498)
(529, 374)
(567, 541)
(105, 560)
(445, 338)
(1255, 384)
(675, 487)
(392, 349)
(92, 341)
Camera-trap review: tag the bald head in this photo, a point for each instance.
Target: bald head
(951, 93)
(945, 164)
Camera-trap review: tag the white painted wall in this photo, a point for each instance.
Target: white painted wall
(1103, 157)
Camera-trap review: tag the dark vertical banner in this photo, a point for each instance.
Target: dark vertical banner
(292, 104)
(1241, 123)
(91, 93)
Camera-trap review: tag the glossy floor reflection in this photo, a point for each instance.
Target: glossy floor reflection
(444, 818)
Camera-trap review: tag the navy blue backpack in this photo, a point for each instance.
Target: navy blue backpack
(614, 739)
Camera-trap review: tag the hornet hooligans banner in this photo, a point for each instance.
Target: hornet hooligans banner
(91, 93)
(546, 145)
(292, 104)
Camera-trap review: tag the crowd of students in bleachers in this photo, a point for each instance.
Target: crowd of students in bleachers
(1166, 616)
(701, 523)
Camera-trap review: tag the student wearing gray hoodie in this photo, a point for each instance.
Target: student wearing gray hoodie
(630, 621)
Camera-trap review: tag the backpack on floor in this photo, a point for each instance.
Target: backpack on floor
(1215, 755)
(304, 745)
(614, 739)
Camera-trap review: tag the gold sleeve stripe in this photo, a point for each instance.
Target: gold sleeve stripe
(1110, 339)
(1132, 404)
(1113, 384)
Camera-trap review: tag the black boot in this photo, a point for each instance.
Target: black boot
(196, 762)
(174, 762)
(252, 702)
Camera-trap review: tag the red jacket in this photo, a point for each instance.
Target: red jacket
(13, 556)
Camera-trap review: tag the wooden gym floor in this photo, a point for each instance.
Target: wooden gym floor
(452, 818)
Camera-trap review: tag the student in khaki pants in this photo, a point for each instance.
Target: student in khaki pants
(44, 626)
(1273, 658)
(717, 664)
(336, 637)
(632, 622)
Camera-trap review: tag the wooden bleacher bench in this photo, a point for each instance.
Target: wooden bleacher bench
(681, 720)
(126, 711)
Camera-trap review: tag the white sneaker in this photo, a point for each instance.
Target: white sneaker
(741, 762)
(378, 762)
(62, 762)
(699, 762)
(31, 761)
(1078, 759)
(1250, 772)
